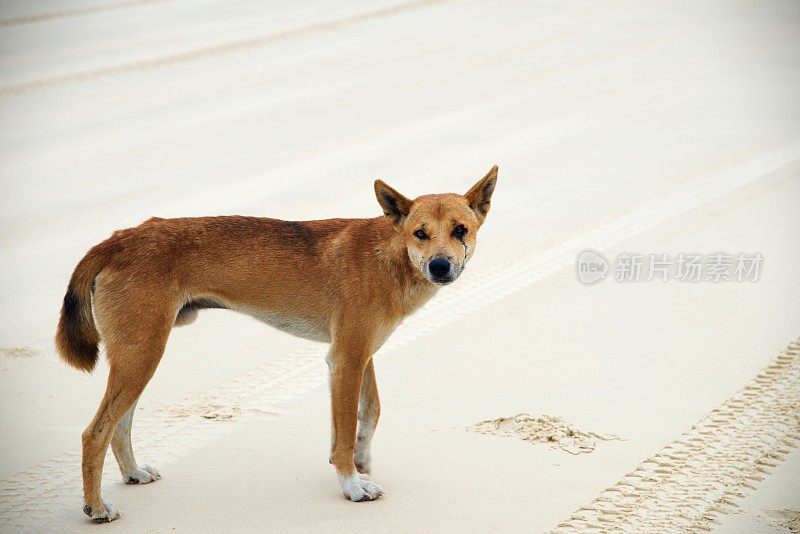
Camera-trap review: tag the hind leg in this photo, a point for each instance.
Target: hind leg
(133, 359)
(132, 473)
(369, 410)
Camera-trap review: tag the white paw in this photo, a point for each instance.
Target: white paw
(359, 489)
(108, 513)
(143, 475)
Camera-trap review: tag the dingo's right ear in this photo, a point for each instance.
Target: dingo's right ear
(395, 206)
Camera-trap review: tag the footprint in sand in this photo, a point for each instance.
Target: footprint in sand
(18, 352)
(781, 519)
(543, 429)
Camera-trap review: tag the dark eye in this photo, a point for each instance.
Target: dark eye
(459, 231)
(420, 234)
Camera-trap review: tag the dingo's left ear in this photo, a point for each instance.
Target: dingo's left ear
(480, 195)
(395, 206)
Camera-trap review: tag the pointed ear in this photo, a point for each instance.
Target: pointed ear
(395, 206)
(480, 195)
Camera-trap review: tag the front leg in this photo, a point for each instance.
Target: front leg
(369, 410)
(347, 365)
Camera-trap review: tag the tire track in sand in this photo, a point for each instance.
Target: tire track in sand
(698, 477)
(217, 49)
(64, 13)
(30, 498)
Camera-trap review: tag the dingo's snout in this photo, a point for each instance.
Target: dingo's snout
(441, 271)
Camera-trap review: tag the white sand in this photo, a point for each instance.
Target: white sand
(624, 126)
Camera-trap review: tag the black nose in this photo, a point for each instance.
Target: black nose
(439, 267)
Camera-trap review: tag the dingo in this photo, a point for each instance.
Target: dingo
(348, 282)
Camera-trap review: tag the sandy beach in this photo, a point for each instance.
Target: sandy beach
(628, 128)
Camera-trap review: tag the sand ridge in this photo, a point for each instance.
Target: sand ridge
(543, 429)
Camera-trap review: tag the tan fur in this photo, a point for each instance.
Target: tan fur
(346, 281)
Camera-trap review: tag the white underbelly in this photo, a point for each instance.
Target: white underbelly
(297, 326)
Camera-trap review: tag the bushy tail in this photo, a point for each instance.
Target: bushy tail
(77, 337)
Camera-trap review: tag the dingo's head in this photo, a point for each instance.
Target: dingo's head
(439, 230)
